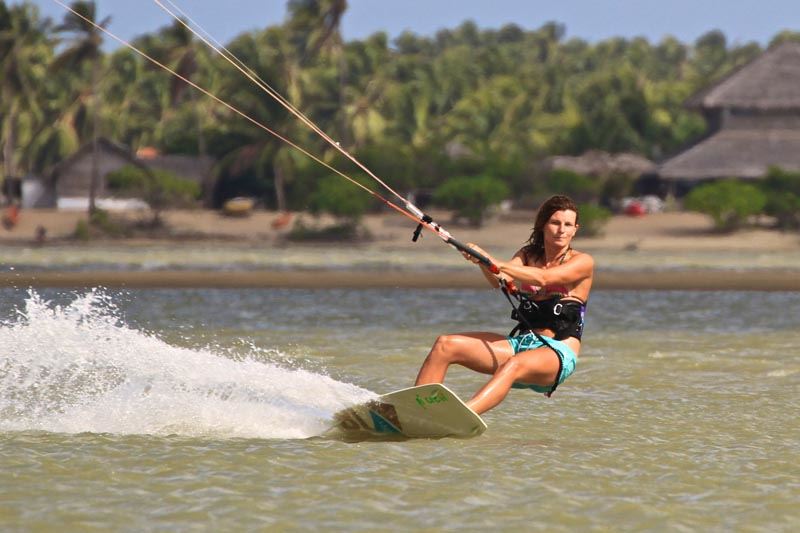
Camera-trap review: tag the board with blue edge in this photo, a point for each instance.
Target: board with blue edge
(426, 411)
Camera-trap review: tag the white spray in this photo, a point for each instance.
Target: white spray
(79, 368)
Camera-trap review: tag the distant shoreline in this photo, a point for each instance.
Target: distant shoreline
(669, 232)
(699, 280)
(664, 239)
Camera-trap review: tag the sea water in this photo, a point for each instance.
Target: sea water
(181, 410)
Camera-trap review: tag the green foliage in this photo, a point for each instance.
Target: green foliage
(784, 36)
(103, 222)
(782, 189)
(466, 101)
(129, 178)
(345, 231)
(340, 198)
(729, 203)
(471, 196)
(82, 232)
(579, 187)
(592, 219)
(614, 111)
(159, 188)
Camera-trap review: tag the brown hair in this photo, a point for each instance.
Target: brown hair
(535, 245)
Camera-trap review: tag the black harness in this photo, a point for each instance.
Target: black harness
(523, 324)
(564, 317)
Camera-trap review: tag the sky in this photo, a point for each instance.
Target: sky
(741, 21)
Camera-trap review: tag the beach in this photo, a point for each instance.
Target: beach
(666, 251)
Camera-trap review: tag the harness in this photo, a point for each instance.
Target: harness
(524, 325)
(564, 317)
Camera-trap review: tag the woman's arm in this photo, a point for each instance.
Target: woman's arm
(578, 268)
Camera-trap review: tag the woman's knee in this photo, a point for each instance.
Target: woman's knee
(512, 367)
(447, 347)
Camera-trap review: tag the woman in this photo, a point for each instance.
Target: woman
(554, 281)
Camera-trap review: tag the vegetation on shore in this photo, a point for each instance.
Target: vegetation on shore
(733, 204)
(466, 113)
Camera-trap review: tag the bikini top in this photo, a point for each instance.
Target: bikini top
(548, 291)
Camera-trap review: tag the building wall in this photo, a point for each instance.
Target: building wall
(36, 193)
(75, 180)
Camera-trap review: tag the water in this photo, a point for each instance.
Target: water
(178, 410)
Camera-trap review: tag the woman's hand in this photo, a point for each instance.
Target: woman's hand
(472, 258)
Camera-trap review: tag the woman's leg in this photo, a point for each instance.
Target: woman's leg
(481, 352)
(535, 367)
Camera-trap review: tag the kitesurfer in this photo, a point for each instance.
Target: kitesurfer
(554, 282)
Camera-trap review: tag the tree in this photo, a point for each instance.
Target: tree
(592, 219)
(25, 49)
(729, 203)
(314, 25)
(134, 93)
(85, 47)
(614, 114)
(256, 155)
(782, 189)
(471, 196)
(785, 36)
(369, 84)
(340, 198)
(710, 54)
(159, 188)
(174, 46)
(289, 55)
(314, 28)
(584, 189)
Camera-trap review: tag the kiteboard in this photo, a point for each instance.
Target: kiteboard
(426, 411)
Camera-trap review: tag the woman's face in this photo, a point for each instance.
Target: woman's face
(561, 228)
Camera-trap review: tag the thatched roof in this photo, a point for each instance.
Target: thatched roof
(104, 145)
(769, 82)
(599, 163)
(196, 168)
(736, 153)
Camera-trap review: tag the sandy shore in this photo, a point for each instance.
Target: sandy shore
(661, 231)
(669, 234)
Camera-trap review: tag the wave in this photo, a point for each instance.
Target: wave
(79, 368)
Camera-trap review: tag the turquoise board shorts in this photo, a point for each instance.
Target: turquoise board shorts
(529, 341)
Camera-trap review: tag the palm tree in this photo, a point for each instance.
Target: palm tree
(85, 46)
(314, 32)
(175, 47)
(256, 155)
(183, 54)
(315, 25)
(24, 52)
(285, 55)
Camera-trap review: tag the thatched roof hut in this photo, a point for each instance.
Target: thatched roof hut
(736, 153)
(600, 164)
(754, 123)
(72, 176)
(69, 180)
(195, 168)
(767, 83)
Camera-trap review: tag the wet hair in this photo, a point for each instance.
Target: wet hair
(534, 248)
